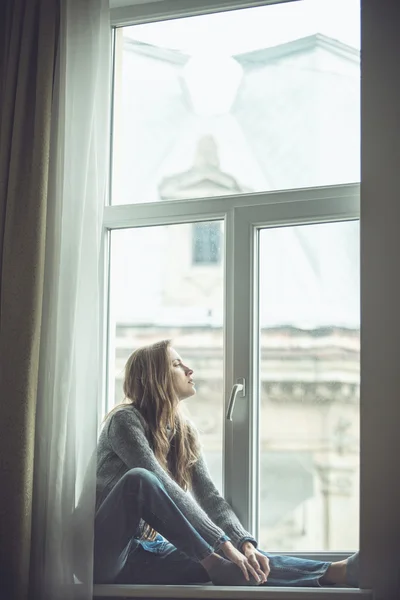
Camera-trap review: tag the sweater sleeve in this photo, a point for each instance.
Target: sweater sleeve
(216, 506)
(128, 440)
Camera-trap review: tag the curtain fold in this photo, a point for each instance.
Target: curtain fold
(54, 139)
(29, 37)
(70, 351)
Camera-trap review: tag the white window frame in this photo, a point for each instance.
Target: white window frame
(380, 291)
(243, 215)
(149, 12)
(279, 209)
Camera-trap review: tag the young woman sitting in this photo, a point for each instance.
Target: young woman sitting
(159, 517)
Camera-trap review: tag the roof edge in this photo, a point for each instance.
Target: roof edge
(303, 44)
(255, 57)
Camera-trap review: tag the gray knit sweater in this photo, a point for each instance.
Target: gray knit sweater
(124, 444)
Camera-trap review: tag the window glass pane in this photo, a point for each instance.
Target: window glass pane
(206, 243)
(156, 293)
(309, 387)
(249, 100)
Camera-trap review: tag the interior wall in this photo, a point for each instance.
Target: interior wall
(380, 297)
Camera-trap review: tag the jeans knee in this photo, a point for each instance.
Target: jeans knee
(139, 475)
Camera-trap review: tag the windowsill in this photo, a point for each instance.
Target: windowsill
(232, 593)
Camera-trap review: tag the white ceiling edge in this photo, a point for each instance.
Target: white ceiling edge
(125, 13)
(119, 3)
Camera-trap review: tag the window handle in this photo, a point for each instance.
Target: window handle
(237, 388)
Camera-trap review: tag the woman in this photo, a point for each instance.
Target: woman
(148, 528)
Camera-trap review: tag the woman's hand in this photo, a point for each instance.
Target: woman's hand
(244, 564)
(257, 560)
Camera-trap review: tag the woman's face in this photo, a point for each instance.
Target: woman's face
(182, 376)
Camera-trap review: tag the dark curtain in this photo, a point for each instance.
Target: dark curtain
(28, 47)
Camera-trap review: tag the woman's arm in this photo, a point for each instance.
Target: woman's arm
(127, 437)
(216, 507)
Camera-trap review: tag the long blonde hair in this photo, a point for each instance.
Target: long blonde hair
(148, 386)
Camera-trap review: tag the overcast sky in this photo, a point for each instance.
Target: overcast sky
(240, 31)
(233, 33)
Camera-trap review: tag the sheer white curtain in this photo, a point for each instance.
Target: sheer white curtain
(70, 355)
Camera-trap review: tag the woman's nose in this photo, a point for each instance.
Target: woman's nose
(189, 371)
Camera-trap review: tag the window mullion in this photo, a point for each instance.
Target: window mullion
(327, 202)
(240, 428)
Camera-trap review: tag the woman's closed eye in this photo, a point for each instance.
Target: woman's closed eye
(184, 368)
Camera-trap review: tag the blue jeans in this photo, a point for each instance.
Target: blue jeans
(121, 557)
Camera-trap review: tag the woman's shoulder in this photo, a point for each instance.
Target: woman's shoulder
(125, 415)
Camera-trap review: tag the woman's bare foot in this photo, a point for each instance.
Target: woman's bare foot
(342, 572)
(335, 574)
(224, 572)
(210, 561)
